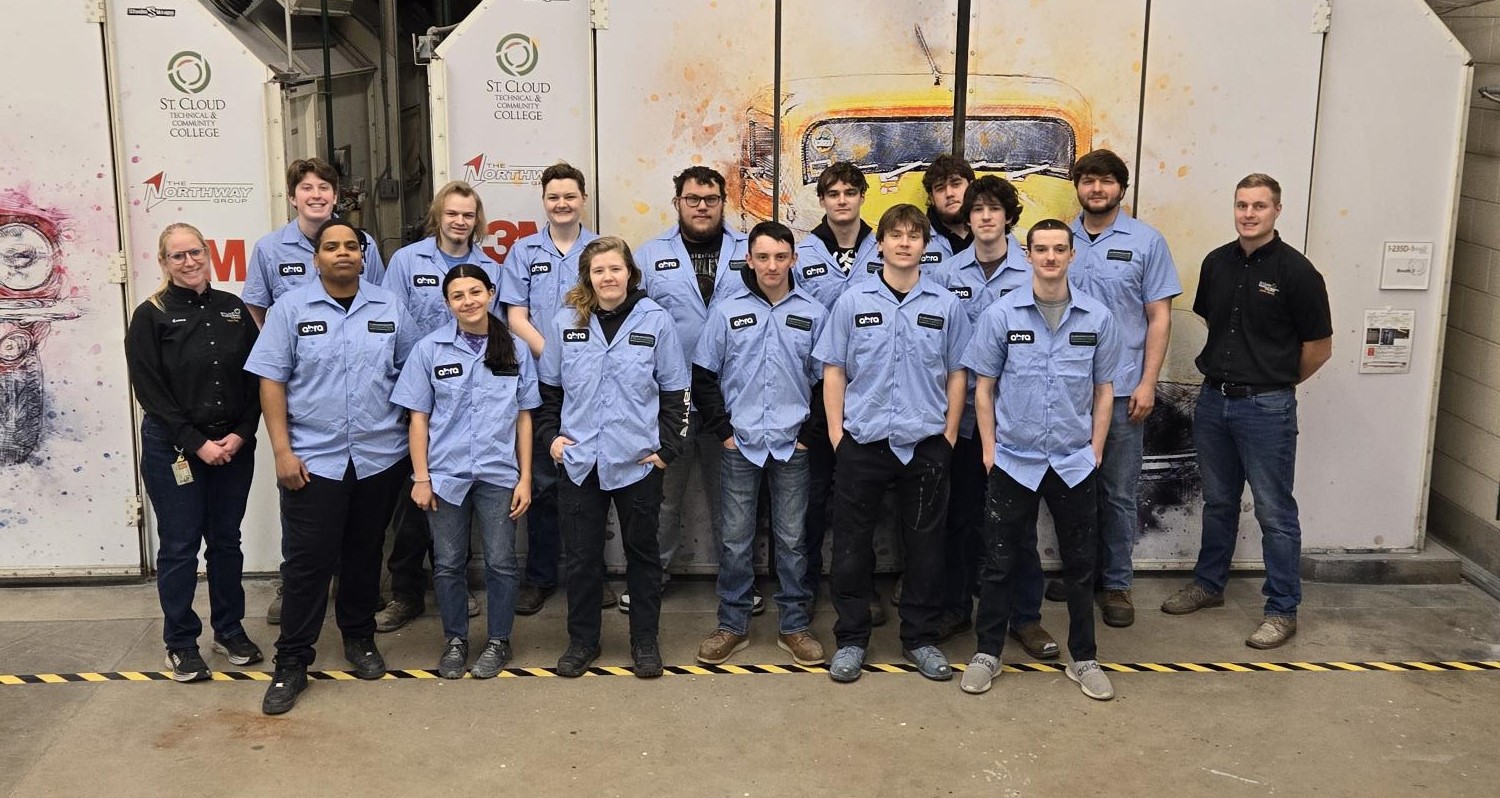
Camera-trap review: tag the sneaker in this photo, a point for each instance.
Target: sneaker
(717, 648)
(473, 605)
(757, 601)
(848, 663)
(1272, 632)
(980, 674)
(187, 665)
(623, 604)
(455, 657)
(1037, 642)
(273, 612)
(365, 657)
(532, 597)
(1192, 598)
(1116, 608)
(877, 612)
(647, 657)
(492, 659)
(287, 683)
(1056, 590)
(803, 646)
(576, 660)
(930, 662)
(397, 613)
(1091, 679)
(610, 599)
(238, 649)
(949, 626)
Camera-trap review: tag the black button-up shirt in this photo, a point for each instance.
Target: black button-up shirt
(187, 364)
(1260, 308)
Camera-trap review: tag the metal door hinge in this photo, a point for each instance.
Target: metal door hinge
(134, 510)
(599, 14)
(1322, 16)
(119, 270)
(93, 11)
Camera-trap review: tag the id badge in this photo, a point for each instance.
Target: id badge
(181, 471)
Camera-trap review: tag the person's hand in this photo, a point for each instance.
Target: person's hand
(951, 438)
(729, 444)
(231, 443)
(653, 459)
(835, 437)
(422, 495)
(989, 460)
(1142, 400)
(799, 447)
(212, 453)
(1098, 455)
(520, 499)
(559, 443)
(291, 472)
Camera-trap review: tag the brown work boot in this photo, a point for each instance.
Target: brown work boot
(1037, 642)
(1192, 598)
(717, 648)
(1272, 632)
(1116, 608)
(804, 648)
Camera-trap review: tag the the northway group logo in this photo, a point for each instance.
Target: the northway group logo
(517, 54)
(159, 189)
(479, 170)
(188, 72)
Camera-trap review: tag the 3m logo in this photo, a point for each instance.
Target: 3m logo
(1020, 337)
(448, 371)
(545, 267)
(424, 280)
(292, 269)
(741, 322)
(576, 335)
(868, 320)
(312, 328)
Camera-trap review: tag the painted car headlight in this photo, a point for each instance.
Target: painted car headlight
(15, 345)
(25, 257)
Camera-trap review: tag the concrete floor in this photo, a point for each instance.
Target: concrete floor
(1181, 734)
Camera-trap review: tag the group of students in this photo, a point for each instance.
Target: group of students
(932, 358)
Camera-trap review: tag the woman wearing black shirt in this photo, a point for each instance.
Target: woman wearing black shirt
(186, 350)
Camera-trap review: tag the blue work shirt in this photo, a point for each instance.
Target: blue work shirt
(536, 276)
(471, 429)
(416, 277)
(283, 260)
(963, 275)
(1044, 405)
(897, 358)
(339, 369)
(763, 356)
(1126, 267)
(612, 391)
(818, 271)
(668, 278)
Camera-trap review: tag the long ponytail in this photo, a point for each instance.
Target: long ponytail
(500, 347)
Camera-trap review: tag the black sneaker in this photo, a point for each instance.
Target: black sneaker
(757, 601)
(576, 660)
(238, 648)
(287, 683)
(647, 656)
(365, 657)
(492, 659)
(187, 665)
(455, 657)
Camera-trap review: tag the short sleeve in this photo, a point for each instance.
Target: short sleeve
(256, 291)
(413, 389)
(274, 355)
(985, 355)
(1107, 351)
(833, 344)
(549, 366)
(1160, 279)
(710, 354)
(515, 278)
(528, 391)
(374, 264)
(1309, 306)
(672, 372)
(959, 333)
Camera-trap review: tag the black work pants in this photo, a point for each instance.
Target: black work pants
(582, 513)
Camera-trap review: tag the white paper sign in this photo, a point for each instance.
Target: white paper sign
(1387, 346)
(1406, 265)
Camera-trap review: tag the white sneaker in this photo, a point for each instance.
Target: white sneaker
(980, 674)
(1091, 679)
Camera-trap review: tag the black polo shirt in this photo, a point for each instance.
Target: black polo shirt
(1260, 308)
(187, 364)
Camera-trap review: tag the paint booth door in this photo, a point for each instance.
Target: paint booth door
(66, 445)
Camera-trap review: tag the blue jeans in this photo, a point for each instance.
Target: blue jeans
(543, 541)
(1119, 491)
(740, 481)
(490, 505)
(1255, 440)
(205, 512)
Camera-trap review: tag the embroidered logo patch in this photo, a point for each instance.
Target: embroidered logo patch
(312, 328)
(1020, 337)
(667, 263)
(737, 264)
(448, 371)
(230, 315)
(381, 326)
(740, 322)
(642, 339)
(962, 291)
(577, 335)
(868, 320)
(929, 321)
(542, 267)
(932, 257)
(799, 323)
(814, 271)
(1083, 338)
(292, 269)
(425, 280)
(1269, 288)
(1119, 254)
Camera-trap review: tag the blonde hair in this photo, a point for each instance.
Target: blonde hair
(462, 189)
(161, 256)
(582, 296)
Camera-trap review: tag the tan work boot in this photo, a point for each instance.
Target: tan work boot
(804, 648)
(717, 648)
(1272, 632)
(1192, 598)
(1116, 608)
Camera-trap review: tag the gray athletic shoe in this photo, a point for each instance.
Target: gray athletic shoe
(848, 663)
(492, 659)
(980, 674)
(455, 657)
(930, 662)
(1091, 679)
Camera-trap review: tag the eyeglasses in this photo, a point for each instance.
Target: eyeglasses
(181, 257)
(694, 201)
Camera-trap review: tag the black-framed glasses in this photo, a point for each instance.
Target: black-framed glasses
(711, 201)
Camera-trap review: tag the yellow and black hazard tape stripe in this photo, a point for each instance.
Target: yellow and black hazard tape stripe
(740, 670)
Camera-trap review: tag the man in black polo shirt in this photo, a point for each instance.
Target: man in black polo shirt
(1269, 328)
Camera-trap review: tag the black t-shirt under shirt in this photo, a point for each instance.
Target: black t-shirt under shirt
(705, 257)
